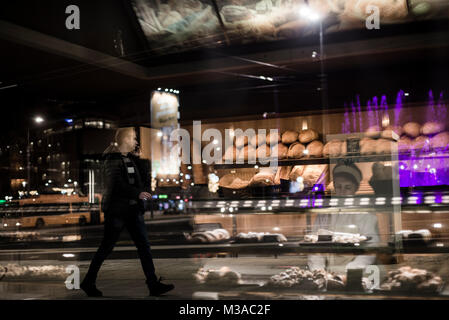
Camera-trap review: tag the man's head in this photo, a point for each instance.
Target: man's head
(126, 139)
(346, 179)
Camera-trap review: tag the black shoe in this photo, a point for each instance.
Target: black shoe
(157, 288)
(90, 289)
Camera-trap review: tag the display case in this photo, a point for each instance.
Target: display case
(340, 204)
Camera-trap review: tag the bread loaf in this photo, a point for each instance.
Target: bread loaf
(387, 133)
(280, 150)
(296, 172)
(432, 127)
(333, 149)
(289, 136)
(308, 135)
(315, 149)
(296, 151)
(412, 129)
(273, 138)
(241, 141)
(405, 144)
(441, 140)
(246, 153)
(373, 132)
(421, 143)
(385, 146)
(263, 178)
(367, 146)
(263, 152)
(258, 140)
(230, 154)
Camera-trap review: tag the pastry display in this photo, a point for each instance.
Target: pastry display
(412, 129)
(314, 174)
(336, 237)
(441, 140)
(315, 149)
(432, 127)
(422, 234)
(289, 137)
(308, 280)
(260, 237)
(222, 276)
(280, 150)
(412, 280)
(273, 138)
(212, 236)
(308, 135)
(296, 151)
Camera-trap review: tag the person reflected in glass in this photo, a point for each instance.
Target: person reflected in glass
(126, 187)
(347, 178)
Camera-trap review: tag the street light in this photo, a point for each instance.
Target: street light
(38, 120)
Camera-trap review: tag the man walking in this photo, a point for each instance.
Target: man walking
(127, 183)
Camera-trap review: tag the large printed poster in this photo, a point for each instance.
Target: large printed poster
(173, 26)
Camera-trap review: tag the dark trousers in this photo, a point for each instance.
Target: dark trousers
(133, 221)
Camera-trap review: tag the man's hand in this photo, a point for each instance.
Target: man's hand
(144, 195)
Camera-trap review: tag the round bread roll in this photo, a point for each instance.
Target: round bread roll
(388, 132)
(421, 142)
(306, 136)
(262, 179)
(272, 139)
(432, 127)
(405, 144)
(230, 154)
(258, 140)
(315, 149)
(412, 129)
(373, 132)
(246, 153)
(263, 152)
(367, 146)
(281, 150)
(332, 148)
(385, 146)
(296, 151)
(289, 136)
(441, 140)
(241, 141)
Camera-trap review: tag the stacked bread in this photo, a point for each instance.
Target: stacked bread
(410, 279)
(212, 236)
(335, 148)
(306, 279)
(412, 136)
(300, 144)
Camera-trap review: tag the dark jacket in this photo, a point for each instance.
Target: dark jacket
(117, 191)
